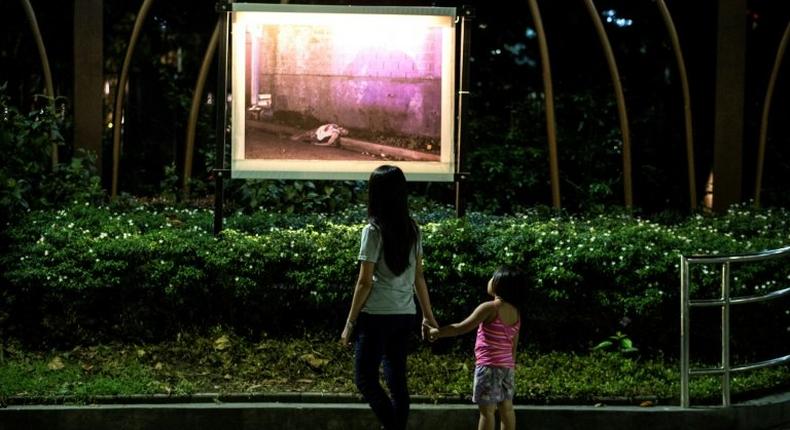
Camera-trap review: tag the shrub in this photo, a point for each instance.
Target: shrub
(301, 197)
(135, 272)
(26, 141)
(27, 178)
(508, 152)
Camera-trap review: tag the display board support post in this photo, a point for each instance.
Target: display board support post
(467, 14)
(220, 171)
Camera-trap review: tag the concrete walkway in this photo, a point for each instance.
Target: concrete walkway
(770, 413)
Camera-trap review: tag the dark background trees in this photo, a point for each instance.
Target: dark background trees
(505, 143)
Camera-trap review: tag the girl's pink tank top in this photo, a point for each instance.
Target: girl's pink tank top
(494, 344)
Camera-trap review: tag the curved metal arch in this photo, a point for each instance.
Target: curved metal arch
(551, 127)
(42, 53)
(673, 35)
(758, 182)
(195, 108)
(621, 110)
(119, 92)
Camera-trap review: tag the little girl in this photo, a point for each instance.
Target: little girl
(498, 322)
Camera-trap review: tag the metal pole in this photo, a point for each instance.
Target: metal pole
(725, 334)
(685, 326)
(463, 91)
(224, 8)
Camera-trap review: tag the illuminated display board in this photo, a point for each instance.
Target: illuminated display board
(332, 92)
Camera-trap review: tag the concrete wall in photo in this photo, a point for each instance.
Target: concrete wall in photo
(385, 83)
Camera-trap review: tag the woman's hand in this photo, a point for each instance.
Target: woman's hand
(429, 332)
(433, 334)
(348, 330)
(427, 325)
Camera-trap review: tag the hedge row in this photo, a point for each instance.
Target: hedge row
(86, 273)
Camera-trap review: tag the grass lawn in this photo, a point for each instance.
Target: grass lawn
(222, 363)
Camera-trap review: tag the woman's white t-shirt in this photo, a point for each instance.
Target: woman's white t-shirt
(391, 294)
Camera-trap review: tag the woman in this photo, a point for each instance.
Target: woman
(383, 310)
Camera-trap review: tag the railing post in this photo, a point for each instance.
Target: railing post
(725, 333)
(684, 332)
(725, 302)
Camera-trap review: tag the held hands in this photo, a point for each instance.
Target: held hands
(430, 332)
(427, 324)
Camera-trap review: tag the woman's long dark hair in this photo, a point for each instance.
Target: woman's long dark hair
(388, 209)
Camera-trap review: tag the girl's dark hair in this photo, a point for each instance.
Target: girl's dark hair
(388, 209)
(510, 284)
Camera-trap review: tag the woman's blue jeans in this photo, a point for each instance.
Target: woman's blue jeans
(384, 339)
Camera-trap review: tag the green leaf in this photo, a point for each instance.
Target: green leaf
(626, 344)
(603, 345)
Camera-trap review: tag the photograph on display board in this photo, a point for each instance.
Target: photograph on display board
(330, 95)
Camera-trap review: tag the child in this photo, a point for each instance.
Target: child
(498, 322)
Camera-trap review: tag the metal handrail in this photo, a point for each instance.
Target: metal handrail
(741, 300)
(725, 302)
(739, 258)
(750, 366)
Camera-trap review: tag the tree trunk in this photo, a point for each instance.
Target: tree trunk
(89, 77)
